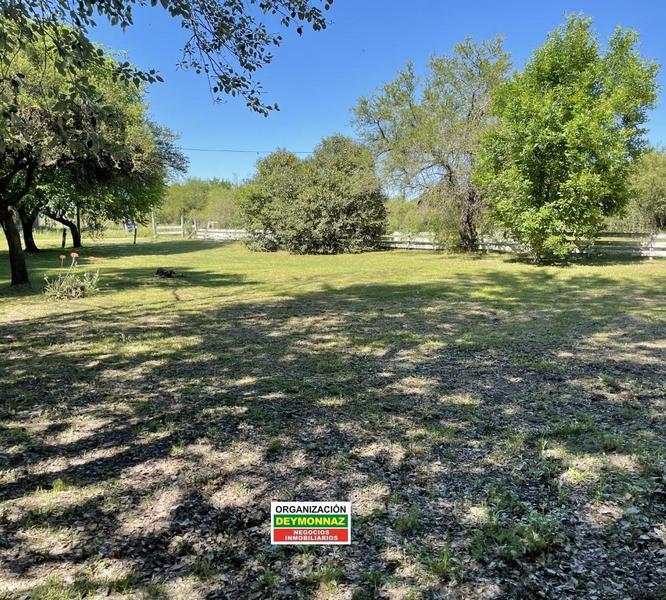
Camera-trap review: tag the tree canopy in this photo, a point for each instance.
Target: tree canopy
(101, 145)
(327, 204)
(570, 126)
(648, 190)
(228, 41)
(211, 200)
(425, 131)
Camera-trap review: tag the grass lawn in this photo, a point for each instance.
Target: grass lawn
(499, 427)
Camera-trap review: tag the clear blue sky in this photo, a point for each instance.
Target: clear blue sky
(318, 77)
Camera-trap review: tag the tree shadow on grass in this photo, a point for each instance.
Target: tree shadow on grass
(602, 260)
(128, 278)
(46, 262)
(121, 279)
(473, 416)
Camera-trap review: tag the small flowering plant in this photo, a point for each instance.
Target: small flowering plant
(71, 284)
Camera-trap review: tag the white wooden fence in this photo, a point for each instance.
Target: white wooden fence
(608, 243)
(191, 231)
(425, 240)
(169, 230)
(634, 244)
(221, 234)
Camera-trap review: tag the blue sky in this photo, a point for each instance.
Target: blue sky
(318, 77)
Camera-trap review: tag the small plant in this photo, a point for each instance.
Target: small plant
(513, 530)
(202, 568)
(409, 522)
(274, 447)
(266, 581)
(445, 566)
(60, 485)
(177, 449)
(373, 579)
(71, 285)
(327, 573)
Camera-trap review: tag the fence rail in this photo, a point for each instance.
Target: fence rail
(168, 230)
(607, 243)
(426, 241)
(221, 234)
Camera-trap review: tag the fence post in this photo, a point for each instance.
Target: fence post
(154, 222)
(182, 225)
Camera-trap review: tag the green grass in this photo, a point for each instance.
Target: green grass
(494, 423)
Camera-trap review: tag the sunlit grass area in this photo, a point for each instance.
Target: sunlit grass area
(498, 426)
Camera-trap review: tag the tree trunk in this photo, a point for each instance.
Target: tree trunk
(27, 224)
(76, 232)
(19, 269)
(469, 236)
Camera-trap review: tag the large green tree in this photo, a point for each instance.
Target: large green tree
(425, 131)
(570, 126)
(49, 132)
(128, 191)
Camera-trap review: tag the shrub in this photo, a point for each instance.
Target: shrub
(71, 285)
(328, 204)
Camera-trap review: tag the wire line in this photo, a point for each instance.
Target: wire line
(240, 151)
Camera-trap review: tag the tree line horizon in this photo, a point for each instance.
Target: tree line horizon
(448, 141)
(546, 154)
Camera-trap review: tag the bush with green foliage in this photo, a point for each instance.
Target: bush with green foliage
(327, 204)
(570, 126)
(266, 200)
(647, 206)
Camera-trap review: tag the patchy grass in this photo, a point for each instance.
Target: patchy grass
(499, 427)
